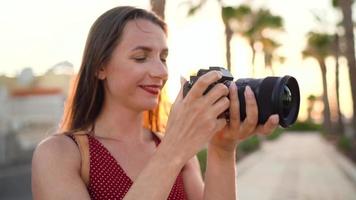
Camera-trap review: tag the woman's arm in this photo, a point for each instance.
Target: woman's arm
(56, 170)
(193, 181)
(185, 135)
(220, 177)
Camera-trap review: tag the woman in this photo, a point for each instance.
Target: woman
(121, 77)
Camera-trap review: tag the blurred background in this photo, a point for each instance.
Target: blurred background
(41, 45)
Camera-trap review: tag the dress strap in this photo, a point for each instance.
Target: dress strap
(81, 138)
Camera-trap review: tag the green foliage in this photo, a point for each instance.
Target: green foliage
(305, 126)
(227, 13)
(311, 97)
(319, 45)
(345, 143)
(265, 19)
(275, 134)
(242, 11)
(249, 145)
(202, 155)
(335, 3)
(194, 8)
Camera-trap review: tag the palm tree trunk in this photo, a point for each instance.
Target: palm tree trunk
(158, 6)
(253, 57)
(228, 32)
(350, 52)
(268, 63)
(310, 108)
(326, 112)
(340, 124)
(228, 37)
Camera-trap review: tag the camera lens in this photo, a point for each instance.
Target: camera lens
(274, 95)
(286, 99)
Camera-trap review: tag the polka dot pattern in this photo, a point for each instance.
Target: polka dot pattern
(107, 180)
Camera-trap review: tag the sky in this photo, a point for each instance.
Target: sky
(40, 34)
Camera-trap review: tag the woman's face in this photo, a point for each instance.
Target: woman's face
(137, 71)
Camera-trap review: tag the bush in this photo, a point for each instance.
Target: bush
(305, 126)
(202, 155)
(250, 144)
(275, 134)
(247, 146)
(345, 144)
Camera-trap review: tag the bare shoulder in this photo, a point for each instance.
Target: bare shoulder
(55, 155)
(56, 148)
(56, 169)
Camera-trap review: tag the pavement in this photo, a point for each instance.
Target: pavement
(15, 182)
(296, 166)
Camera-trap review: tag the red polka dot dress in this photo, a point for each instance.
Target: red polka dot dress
(107, 180)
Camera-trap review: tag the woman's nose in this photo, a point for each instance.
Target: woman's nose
(159, 70)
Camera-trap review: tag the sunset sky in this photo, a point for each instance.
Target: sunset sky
(39, 34)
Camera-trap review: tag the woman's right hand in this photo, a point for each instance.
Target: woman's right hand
(193, 120)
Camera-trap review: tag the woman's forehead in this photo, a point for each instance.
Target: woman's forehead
(141, 32)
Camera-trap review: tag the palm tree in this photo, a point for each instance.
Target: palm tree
(158, 7)
(346, 8)
(253, 25)
(269, 48)
(311, 103)
(336, 52)
(226, 14)
(319, 47)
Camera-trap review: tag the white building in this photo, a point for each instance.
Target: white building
(30, 112)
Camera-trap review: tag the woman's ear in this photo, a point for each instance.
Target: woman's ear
(101, 73)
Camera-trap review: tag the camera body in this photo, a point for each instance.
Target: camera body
(274, 95)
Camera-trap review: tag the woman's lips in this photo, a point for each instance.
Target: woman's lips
(152, 89)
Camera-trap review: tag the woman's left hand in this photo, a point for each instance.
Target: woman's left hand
(235, 131)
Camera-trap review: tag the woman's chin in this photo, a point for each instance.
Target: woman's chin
(150, 105)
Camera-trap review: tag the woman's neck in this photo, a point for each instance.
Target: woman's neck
(120, 123)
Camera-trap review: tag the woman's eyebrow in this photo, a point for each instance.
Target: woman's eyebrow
(149, 49)
(144, 48)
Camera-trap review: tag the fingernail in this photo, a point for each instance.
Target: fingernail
(248, 92)
(275, 119)
(182, 80)
(220, 75)
(232, 85)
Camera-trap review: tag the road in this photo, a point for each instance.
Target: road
(297, 166)
(15, 183)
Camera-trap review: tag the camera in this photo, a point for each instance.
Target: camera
(274, 95)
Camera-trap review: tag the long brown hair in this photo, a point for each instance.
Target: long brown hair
(87, 96)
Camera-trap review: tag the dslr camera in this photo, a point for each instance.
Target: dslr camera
(274, 95)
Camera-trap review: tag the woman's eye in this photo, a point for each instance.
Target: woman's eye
(140, 59)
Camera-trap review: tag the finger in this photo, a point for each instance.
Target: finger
(180, 93)
(218, 91)
(202, 84)
(234, 107)
(250, 121)
(220, 106)
(269, 126)
(220, 124)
